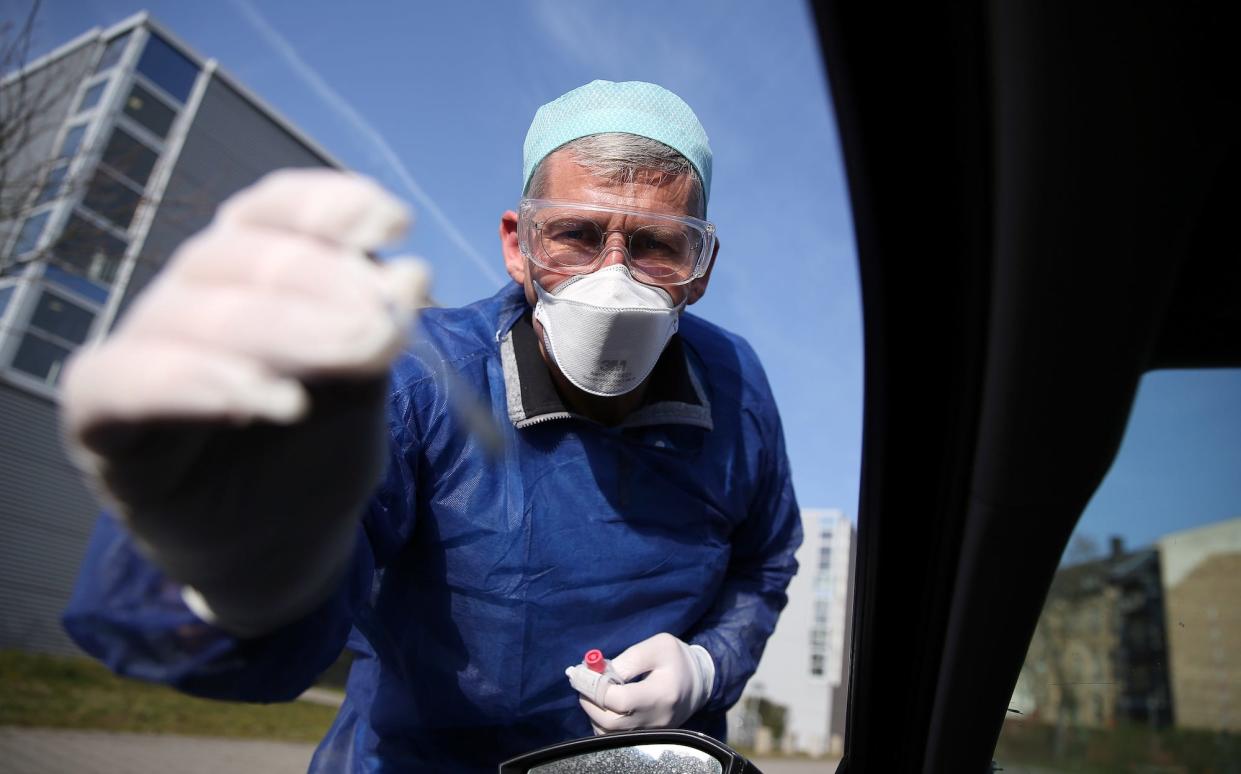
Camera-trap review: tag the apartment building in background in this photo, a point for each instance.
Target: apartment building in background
(131, 140)
(1148, 638)
(1201, 570)
(796, 700)
(1099, 655)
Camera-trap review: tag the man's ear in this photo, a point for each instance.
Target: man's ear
(510, 244)
(698, 287)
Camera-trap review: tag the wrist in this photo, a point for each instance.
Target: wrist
(705, 667)
(247, 608)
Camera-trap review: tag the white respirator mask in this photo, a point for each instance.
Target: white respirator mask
(605, 330)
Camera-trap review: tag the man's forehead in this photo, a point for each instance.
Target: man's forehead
(649, 189)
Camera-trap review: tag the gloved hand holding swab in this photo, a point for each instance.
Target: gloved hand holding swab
(274, 315)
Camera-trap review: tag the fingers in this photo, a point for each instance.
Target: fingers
(633, 698)
(344, 209)
(405, 283)
(295, 265)
(279, 261)
(175, 382)
(279, 288)
(287, 335)
(591, 685)
(297, 304)
(605, 721)
(635, 705)
(638, 659)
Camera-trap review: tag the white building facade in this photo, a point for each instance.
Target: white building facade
(805, 666)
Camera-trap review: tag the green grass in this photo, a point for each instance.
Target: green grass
(67, 692)
(1125, 748)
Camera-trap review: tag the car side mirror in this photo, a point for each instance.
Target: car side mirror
(634, 752)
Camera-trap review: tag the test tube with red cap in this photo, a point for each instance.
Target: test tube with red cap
(595, 662)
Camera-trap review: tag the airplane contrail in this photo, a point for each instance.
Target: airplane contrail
(338, 103)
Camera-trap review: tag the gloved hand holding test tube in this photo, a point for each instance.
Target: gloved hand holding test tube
(656, 683)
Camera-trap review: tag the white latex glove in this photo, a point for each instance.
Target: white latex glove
(678, 681)
(235, 416)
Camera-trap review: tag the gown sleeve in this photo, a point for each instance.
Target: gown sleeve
(762, 562)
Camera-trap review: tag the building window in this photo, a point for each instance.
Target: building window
(148, 110)
(40, 358)
(92, 95)
(168, 68)
(73, 141)
(130, 157)
(112, 199)
(90, 250)
(28, 237)
(62, 318)
(51, 186)
(112, 54)
(816, 664)
(55, 275)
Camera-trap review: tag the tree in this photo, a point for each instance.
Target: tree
(1083, 548)
(28, 116)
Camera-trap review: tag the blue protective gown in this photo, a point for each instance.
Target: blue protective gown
(477, 580)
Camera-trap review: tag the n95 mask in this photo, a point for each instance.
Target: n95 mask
(605, 331)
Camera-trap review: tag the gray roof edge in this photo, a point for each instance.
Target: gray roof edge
(229, 80)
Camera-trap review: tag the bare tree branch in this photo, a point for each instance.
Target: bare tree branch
(29, 115)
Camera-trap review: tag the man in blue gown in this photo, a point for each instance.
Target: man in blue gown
(573, 463)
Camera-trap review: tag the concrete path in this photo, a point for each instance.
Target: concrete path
(39, 750)
(325, 696)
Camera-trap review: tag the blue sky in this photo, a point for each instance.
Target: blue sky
(433, 99)
(1179, 465)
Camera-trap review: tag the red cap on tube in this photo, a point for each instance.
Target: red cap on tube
(594, 660)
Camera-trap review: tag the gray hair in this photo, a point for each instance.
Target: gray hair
(620, 156)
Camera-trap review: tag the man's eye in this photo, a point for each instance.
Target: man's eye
(648, 243)
(659, 242)
(572, 231)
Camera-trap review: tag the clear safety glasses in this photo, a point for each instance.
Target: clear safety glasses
(573, 238)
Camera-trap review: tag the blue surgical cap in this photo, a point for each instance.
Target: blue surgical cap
(634, 107)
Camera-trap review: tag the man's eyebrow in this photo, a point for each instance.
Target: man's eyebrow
(634, 219)
(600, 219)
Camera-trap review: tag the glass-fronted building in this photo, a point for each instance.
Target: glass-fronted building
(130, 140)
(144, 148)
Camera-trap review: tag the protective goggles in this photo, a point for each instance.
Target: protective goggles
(573, 238)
